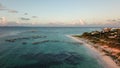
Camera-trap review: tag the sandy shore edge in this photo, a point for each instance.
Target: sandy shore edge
(104, 60)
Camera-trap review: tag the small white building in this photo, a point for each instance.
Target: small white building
(106, 29)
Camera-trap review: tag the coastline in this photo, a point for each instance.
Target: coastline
(103, 59)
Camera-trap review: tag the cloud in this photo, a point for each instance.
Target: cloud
(34, 16)
(12, 11)
(25, 19)
(7, 9)
(25, 13)
(12, 23)
(16, 23)
(78, 22)
(81, 22)
(114, 20)
(3, 7)
(3, 21)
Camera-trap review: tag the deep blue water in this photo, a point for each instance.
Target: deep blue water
(44, 47)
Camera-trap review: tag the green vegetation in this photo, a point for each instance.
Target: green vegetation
(109, 37)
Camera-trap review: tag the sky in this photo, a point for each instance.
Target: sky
(59, 13)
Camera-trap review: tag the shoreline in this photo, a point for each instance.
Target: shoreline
(103, 59)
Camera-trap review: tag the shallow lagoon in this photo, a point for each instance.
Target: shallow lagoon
(53, 48)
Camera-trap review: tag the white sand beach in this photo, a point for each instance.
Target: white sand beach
(103, 59)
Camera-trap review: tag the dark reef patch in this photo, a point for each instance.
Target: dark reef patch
(25, 38)
(54, 41)
(48, 60)
(44, 41)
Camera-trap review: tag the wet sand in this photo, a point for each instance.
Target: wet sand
(103, 59)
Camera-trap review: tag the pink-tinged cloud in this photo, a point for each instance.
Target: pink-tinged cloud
(3, 21)
(78, 22)
(82, 22)
(113, 22)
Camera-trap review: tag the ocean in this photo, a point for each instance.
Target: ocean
(44, 47)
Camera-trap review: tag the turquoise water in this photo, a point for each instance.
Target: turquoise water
(44, 47)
